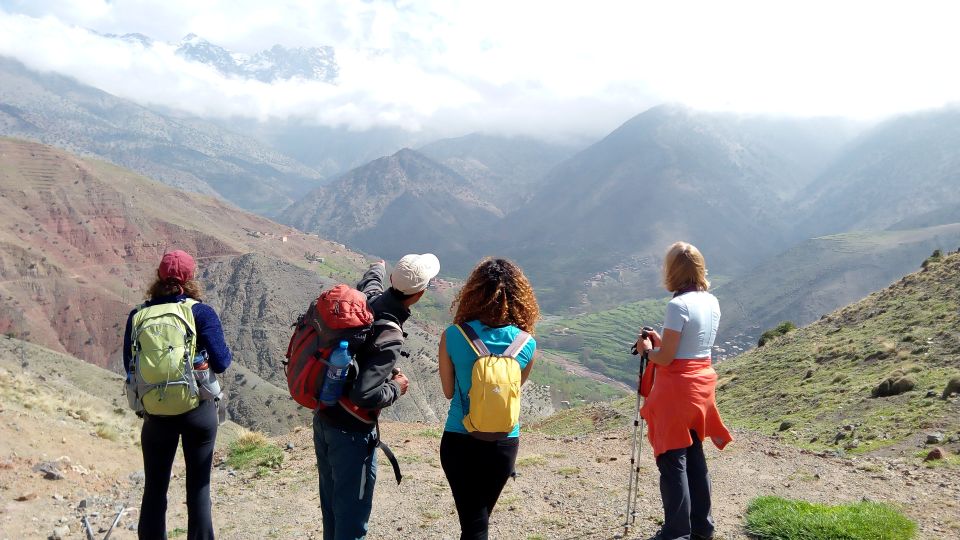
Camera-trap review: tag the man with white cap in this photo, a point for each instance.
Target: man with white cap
(346, 439)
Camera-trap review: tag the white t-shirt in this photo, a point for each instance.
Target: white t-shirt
(696, 315)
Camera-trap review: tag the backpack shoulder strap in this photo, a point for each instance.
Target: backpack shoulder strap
(517, 345)
(385, 322)
(469, 334)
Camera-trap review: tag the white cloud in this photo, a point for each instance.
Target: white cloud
(523, 67)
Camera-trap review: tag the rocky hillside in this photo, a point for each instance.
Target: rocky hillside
(80, 239)
(69, 450)
(182, 151)
(883, 373)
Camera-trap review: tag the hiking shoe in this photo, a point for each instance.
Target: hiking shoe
(693, 536)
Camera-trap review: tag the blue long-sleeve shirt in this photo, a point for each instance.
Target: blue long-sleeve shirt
(209, 334)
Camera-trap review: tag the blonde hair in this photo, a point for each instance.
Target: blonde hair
(684, 268)
(497, 293)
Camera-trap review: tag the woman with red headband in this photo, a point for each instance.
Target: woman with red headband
(173, 301)
(680, 407)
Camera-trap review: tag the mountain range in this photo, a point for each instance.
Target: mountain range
(409, 202)
(269, 65)
(182, 151)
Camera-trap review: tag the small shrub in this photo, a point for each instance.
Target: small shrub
(106, 431)
(774, 517)
(781, 329)
(252, 449)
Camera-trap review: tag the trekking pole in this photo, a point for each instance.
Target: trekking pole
(631, 490)
(630, 516)
(115, 521)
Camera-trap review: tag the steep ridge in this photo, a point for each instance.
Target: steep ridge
(185, 152)
(901, 168)
(817, 385)
(820, 275)
(396, 205)
(503, 170)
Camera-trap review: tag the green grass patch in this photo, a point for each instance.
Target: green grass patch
(770, 518)
(533, 460)
(565, 386)
(177, 532)
(432, 433)
(253, 449)
(591, 418)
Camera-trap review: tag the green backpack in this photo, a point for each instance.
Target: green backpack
(163, 341)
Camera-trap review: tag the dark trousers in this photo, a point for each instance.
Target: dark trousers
(347, 466)
(477, 471)
(159, 438)
(685, 489)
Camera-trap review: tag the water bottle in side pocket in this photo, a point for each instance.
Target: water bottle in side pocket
(207, 382)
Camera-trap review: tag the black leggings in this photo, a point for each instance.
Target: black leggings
(159, 439)
(477, 471)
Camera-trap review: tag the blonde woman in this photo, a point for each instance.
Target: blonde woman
(680, 408)
(497, 304)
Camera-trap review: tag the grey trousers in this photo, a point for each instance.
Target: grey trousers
(685, 490)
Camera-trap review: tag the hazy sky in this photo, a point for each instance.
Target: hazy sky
(518, 66)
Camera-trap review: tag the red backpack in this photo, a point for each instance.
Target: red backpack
(339, 314)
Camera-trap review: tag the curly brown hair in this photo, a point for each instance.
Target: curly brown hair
(167, 287)
(497, 294)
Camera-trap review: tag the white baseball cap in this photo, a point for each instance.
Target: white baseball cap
(413, 272)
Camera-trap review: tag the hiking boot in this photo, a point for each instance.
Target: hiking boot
(693, 536)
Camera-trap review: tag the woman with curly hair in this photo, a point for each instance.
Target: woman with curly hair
(494, 314)
(197, 427)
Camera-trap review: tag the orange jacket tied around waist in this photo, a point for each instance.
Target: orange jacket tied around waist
(682, 398)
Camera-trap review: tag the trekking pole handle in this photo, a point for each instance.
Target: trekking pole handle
(644, 334)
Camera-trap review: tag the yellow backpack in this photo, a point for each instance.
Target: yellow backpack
(494, 406)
